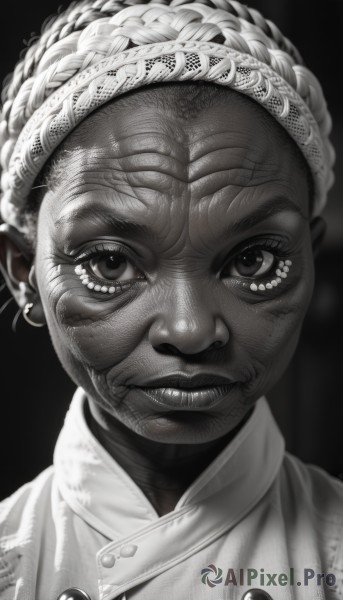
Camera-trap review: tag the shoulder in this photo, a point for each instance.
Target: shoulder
(21, 517)
(17, 512)
(312, 504)
(318, 490)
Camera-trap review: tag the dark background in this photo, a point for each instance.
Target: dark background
(308, 402)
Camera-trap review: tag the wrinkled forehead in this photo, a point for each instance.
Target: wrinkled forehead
(179, 144)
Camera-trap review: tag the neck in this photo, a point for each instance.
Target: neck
(162, 471)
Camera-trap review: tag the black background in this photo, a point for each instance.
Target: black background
(308, 401)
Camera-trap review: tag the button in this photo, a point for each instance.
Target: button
(108, 560)
(256, 595)
(128, 550)
(74, 594)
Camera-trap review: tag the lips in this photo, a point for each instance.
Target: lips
(184, 392)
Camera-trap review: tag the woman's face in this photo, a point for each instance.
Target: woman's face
(176, 218)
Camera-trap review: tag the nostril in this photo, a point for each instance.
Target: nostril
(217, 344)
(173, 350)
(181, 336)
(167, 349)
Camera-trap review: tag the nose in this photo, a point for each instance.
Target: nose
(188, 322)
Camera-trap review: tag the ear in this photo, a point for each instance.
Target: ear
(16, 264)
(318, 230)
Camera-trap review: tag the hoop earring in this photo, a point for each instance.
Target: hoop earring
(26, 311)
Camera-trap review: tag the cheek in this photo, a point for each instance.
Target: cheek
(88, 330)
(98, 333)
(269, 331)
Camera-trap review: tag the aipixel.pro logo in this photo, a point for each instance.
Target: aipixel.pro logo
(211, 575)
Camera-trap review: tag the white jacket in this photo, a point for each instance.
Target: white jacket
(255, 512)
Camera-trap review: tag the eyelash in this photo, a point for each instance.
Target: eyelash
(276, 274)
(96, 284)
(261, 244)
(101, 252)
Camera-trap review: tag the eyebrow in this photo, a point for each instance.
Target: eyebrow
(120, 223)
(273, 207)
(116, 222)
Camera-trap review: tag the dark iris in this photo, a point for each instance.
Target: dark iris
(249, 262)
(111, 267)
(114, 262)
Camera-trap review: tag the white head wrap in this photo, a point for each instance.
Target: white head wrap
(95, 51)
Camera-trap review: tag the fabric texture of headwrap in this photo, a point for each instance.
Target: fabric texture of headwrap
(95, 51)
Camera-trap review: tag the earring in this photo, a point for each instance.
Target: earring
(31, 279)
(26, 312)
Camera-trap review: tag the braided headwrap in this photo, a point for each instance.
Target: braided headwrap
(95, 51)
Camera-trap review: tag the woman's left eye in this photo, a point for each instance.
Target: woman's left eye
(113, 267)
(251, 262)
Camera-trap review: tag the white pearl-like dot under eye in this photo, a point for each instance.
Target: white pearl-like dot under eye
(84, 278)
(281, 273)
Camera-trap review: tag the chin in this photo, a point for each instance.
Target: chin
(187, 427)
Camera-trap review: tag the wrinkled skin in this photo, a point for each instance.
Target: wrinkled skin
(189, 183)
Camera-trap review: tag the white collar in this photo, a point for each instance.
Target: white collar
(102, 493)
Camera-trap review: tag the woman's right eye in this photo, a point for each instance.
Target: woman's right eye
(113, 267)
(109, 271)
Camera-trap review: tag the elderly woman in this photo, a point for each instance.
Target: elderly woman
(164, 167)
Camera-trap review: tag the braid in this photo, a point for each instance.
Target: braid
(80, 14)
(254, 17)
(75, 18)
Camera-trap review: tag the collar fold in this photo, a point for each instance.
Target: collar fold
(97, 488)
